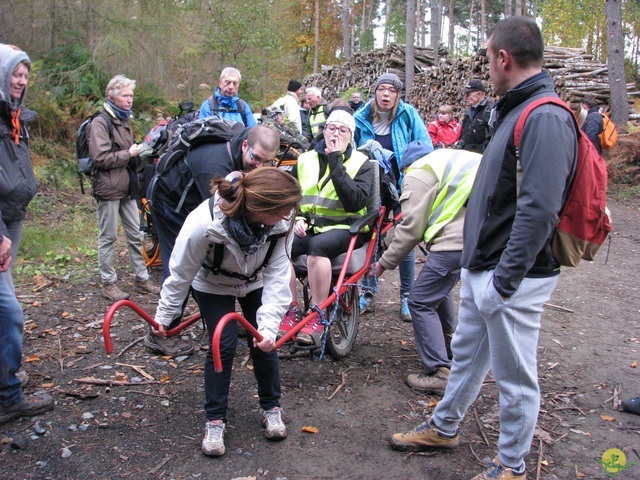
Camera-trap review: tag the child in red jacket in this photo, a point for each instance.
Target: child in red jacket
(444, 130)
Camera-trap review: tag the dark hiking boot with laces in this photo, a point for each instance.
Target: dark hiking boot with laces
(27, 407)
(170, 346)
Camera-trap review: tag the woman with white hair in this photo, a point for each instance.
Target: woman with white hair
(115, 186)
(336, 180)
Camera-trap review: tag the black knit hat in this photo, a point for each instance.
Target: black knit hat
(294, 86)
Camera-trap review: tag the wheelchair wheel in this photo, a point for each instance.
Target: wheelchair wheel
(344, 329)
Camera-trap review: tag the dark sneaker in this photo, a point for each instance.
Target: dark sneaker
(367, 302)
(146, 286)
(405, 314)
(423, 437)
(275, 429)
(291, 319)
(434, 383)
(311, 333)
(27, 407)
(496, 471)
(113, 293)
(23, 377)
(171, 346)
(213, 441)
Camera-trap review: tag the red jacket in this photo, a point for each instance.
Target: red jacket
(444, 134)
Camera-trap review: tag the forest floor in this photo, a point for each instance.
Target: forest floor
(151, 426)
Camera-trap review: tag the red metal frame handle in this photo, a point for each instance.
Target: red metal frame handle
(106, 325)
(217, 333)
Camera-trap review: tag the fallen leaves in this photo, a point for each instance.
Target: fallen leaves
(32, 358)
(309, 429)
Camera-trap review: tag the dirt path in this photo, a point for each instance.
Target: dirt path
(587, 354)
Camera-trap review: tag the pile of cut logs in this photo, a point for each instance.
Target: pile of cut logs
(574, 72)
(364, 68)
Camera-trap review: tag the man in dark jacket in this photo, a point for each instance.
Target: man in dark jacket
(508, 270)
(171, 204)
(593, 124)
(475, 134)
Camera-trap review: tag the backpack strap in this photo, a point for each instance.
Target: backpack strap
(517, 132)
(218, 253)
(240, 108)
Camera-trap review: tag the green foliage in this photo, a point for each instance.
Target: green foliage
(575, 23)
(57, 247)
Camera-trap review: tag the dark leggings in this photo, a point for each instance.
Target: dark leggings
(265, 365)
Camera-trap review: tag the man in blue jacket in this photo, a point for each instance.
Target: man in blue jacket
(225, 101)
(508, 270)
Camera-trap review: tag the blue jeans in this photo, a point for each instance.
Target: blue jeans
(14, 230)
(11, 325)
(266, 365)
(501, 335)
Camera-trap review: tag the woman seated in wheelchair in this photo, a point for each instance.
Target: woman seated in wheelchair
(336, 181)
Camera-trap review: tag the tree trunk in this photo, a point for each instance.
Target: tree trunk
(470, 27)
(615, 59)
(316, 35)
(53, 39)
(346, 38)
(452, 37)
(483, 25)
(410, 41)
(387, 16)
(436, 22)
(91, 26)
(508, 8)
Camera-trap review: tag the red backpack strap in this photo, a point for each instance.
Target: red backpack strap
(517, 132)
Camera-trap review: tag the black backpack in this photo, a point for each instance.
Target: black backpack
(185, 137)
(215, 108)
(85, 164)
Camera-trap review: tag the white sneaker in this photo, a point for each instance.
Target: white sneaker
(273, 424)
(213, 441)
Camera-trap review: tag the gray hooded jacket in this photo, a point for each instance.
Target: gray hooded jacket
(18, 183)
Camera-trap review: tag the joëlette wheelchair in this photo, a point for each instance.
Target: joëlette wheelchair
(339, 312)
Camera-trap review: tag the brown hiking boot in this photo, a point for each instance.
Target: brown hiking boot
(423, 437)
(146, 286)
(171, 346)
(434, 383)
(27, 407)
(113, 293)
(495, 470)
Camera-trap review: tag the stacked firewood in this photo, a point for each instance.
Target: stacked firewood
(575, 75)
(364, 68)
(574, 72)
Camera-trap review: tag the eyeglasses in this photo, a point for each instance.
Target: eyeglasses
(390, 90)
(259, 161)
(333, 129)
